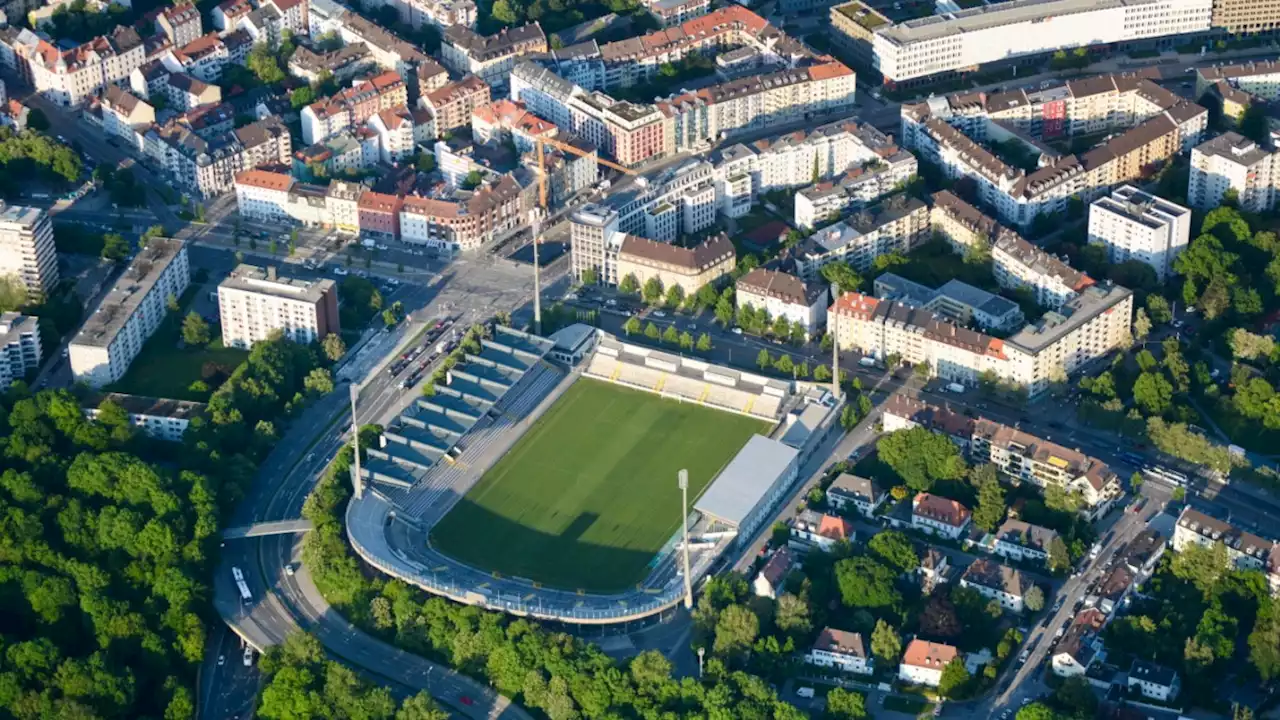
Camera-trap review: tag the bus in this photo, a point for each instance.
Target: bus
(245, 595)
(236, 574)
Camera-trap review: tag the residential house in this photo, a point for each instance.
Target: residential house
(783, 295)
(768, 582)
(841, 650)
(1109, 594)
(815, 529)
(937, 515)
(1154, 681)
(998, 582)
(854, 492)
(1081, 646)
(934, 570)
(1020, 540)
(923, 662)
(1245, 550)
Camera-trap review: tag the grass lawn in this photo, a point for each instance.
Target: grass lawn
(164, 370)
(908, 705)
(588, 496)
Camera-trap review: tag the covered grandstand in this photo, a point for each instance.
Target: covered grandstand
(688, 379)
(750, 485)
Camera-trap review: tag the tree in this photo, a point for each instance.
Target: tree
(846, 705)
(781, 327)
(1141, 325)
(1153, 393)
(318, 381)
(704, 343)
(865, 583)
(921, 457)
(764, 360)
(886, 645)
(1037, 711)
(1033, 598)
(990, 510)
(724, 308)
(264, 65)
(590, 276)
(939, 619)
(631, 326)
(333, 346)
(736, 631)
(629, 285)
(822, 373)
(302, 97)
(472, 180)
(1058, 559)
(1158, 309)
(13, 293)
(1248, 346)
(895, 549)
(652, 292)
(195, 330)
(686, 341)
(670, 336)
(844, 277)
(675, 296)
(651, 331)
(954, 678)
(1076, 695)
(1264, 643)
(784, 365)
(792, 615)
(114, 247)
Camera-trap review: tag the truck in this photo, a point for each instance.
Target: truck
(867, 362)
(955, 387)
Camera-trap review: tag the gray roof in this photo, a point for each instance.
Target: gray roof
(1153, 673)
(745, 480)
(130, 289)
(1083, 308)
(992, 16)
(978, 298)
(891, 286)
(266, 281)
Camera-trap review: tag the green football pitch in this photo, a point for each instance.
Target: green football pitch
(588, 496)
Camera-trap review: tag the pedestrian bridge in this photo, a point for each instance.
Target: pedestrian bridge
(279, 527)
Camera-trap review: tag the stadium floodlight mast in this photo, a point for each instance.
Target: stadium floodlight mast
(835, 351)
(357, 480)
(683, 480)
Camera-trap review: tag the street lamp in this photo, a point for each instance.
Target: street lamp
(683, 481)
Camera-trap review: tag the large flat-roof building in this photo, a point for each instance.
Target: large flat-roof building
(955, 41)
(100, 353)
(27, 251)
(20, 349)
(160, 418)
(256, 302)
(1136, 225)
(1232, 162)
(748, 487)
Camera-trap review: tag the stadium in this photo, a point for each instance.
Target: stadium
(541, 480)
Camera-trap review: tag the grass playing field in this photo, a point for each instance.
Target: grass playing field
(588, 496)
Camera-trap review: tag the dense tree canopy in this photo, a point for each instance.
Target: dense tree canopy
(921, 457)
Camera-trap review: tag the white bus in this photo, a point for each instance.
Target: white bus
(1170, 476)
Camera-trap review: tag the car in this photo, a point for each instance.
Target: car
(611, 302)
(288, 570)
(465, 700)
(222, 660)
(736, 331)
(339, 271)
(248, 656)
(659, 314)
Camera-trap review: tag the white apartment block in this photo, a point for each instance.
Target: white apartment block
(109, 340)
(985, 34)
(1017, 263)
(255, 303)
(1084, 329)
(841, 650)
(1233, 162)
(923, 662)
(491, 58)
(831, 199)
(999, 582)
(1135, 225)
(70, 77)
(161, 418)
(20, 350)
(27, 251)
(277, 198)
(1245, 550)
(898, 224)
(1260, 78)
(782, 295)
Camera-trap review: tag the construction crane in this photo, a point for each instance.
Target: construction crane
(542, 202)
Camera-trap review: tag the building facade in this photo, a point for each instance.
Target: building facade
(20, 349)
(254, 303)
(782, 295)
(1135, 225)
(27, 251)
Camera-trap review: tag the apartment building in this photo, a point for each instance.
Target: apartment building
(71, 77)
(670, 13)
(160, 418)
(255, 302)
(783, 295)
(353, 106)
(207, 167)
(131, 311)
(631, 133)
(998, 582)
(1257, 78)
(1241, 17)
(1155, 124)
(1022, 541)
(341, 64)
(455, 221)
(1245, 550)
(179, 23)
(898, 224)
(959, 302)
(826, 200)
(491, 58)
(27, 251)
(1233, 162)
(961, 224)
(1032, 459)
(1017, 263)
(1084, 329)
(454, 103)
(20, 350)
(853, 26)
(675, 266)
(504, 119)
(967, 39)
(278, 198)
(924, 661)
(386, 50)
(205, 57)
(1135, 225)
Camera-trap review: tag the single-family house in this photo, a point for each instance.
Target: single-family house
(1154, 681)
(937, 515)
(854, 492)
(768, 582)
(1081, 646)
(815, 529)
(923, 662)
(841, 650)
(999, 582)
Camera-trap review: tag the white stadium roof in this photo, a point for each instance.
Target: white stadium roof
(745, 480)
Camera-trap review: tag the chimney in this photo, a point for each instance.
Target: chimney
(271, 272)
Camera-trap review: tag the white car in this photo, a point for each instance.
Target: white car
(659, 314)
(288, 570)
(222, 660)
(736, 331)
(339, 271)
(248, 656)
